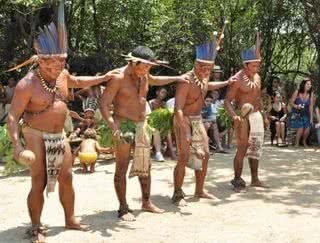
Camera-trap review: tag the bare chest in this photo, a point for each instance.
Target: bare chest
(41, 98)
(131, 90)
(196, 93)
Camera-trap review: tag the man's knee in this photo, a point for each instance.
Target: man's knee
(242, 149)
(119, 178)
(39, 182)
(65, 177)
(183, 158)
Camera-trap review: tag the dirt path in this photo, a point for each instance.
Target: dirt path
(287, 212)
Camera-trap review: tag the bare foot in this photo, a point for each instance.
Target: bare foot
(84, 169)
(75, 225)
(239, 185)
(181, 203)
(128, 217)
(151, 208)
(178, 198)
(38, 238)
(37, 234)
(203, 195)
(258, 184)
(92, 169)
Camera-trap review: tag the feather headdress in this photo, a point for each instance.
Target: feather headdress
(50, 40)
(207, 51)
(252, 54)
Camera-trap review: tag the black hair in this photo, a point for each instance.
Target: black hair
(269, 88)
(90, 133)
(302, 84)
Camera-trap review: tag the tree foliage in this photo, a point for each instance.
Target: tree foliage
(101, 30)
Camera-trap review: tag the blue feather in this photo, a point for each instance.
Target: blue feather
(52, 45)
(207, 50)
(43, 43)
(54, 33)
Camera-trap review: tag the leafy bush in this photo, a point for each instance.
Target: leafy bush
(161, 120)
(6, 153)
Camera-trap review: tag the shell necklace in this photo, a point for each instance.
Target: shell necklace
(251, 83)
(45, 84)
(198, 82)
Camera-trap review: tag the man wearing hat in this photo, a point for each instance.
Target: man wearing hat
(40, 102)
(249, 127)
(127, 91)
(191, 136)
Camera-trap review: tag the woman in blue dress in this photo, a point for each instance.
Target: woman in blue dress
(302, 111)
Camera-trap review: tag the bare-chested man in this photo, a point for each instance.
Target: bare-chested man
(127, 91)
(246, 93)
(191, 136)
(40, 100)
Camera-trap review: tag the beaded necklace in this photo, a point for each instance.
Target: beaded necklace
(45, 84)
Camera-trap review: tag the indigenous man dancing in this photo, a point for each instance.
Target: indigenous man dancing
(39, 99)
(191, 136)
(249, 127)
(127, 91)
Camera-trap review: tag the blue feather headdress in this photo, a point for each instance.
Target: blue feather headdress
(207, 51)
(252, 54)
(50, 41)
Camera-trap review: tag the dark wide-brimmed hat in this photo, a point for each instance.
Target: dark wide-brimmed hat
(145, 55)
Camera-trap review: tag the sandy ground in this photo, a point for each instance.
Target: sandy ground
(287, 212)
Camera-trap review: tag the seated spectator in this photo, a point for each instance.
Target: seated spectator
(6, 97)
(274, 85)
(170, 138)
(88, 121)
(158, 103)
(170, 103)
(278, 116)
(209, 115)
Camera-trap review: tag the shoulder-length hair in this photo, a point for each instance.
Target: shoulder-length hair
(302, 85)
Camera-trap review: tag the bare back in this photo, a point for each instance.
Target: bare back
(88, 145)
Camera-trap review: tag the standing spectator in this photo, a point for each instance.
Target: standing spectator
(278, 115)
(301, 116)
